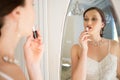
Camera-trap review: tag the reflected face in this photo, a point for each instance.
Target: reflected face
(28, 18)
(93, 21)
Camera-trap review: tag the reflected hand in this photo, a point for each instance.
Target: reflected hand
(83, 40)
(33, 49)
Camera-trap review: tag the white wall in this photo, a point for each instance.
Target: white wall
(116, 4)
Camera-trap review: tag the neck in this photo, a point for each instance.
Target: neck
(8, 42)
(96, 41)
(95, 38)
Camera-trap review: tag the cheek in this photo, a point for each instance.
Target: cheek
(85, 24)
(96, 24)
(31, 21)
(27, 24)
(30, 18)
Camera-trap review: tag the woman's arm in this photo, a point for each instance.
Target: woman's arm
(79, 57)
(116, 48)
(118, 67)
(33, 50)
(78, 64)
(34, 71)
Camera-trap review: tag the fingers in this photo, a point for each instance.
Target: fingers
(39, 35)
(84, 38)
(37, 42)
(84, 33)
(37, 48)
(28, 41)
(39, 38)
(31, 41)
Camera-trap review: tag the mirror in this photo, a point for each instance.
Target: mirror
(74, 26)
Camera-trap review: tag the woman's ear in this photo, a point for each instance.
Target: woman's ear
(16, 13)
(102, 25)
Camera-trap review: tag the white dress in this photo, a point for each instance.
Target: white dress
(103, 70)
(106, 69)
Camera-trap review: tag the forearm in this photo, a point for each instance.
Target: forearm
(34, 72)
(80, 72)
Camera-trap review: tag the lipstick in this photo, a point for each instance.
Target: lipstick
(35, 35)
(87, 28)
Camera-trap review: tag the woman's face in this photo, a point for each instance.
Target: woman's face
(27, 18)
(93, 21)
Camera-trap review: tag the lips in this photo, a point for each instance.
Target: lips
(89, 28)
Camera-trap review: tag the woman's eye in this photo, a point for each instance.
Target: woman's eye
(86, 19)
(94, 19)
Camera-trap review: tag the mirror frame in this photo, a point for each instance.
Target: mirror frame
(116, 8)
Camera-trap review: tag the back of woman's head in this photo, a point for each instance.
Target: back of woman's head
(6, 7)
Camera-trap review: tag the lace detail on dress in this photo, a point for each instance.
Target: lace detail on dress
(103, 70)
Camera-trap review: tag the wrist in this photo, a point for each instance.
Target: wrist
(84, 49)
(34, 71)
(33, 65)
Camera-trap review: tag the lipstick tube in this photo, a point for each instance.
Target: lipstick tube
(35, 35)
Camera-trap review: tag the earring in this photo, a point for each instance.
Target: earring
(101, 32)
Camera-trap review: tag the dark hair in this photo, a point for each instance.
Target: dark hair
(6, 7)
(101, 14)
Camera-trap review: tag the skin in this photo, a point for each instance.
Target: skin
(79, 53)
(19, 24)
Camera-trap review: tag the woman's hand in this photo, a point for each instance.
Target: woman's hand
(33, 49)
(83, 40)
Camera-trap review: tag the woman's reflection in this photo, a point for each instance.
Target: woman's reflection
(95, 58)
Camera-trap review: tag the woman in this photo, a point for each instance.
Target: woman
(16, 21)
(95, 58)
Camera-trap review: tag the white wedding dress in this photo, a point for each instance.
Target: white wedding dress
(103, 70)
(106, 69)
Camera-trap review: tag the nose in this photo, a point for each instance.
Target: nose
(89, 23)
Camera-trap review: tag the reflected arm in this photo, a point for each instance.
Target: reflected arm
(78, 63)
(118, 68)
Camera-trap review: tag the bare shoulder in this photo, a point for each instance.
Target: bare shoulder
(114, 43)
(12, 71)
(115, 47)
(76, 50)
(75, 46)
